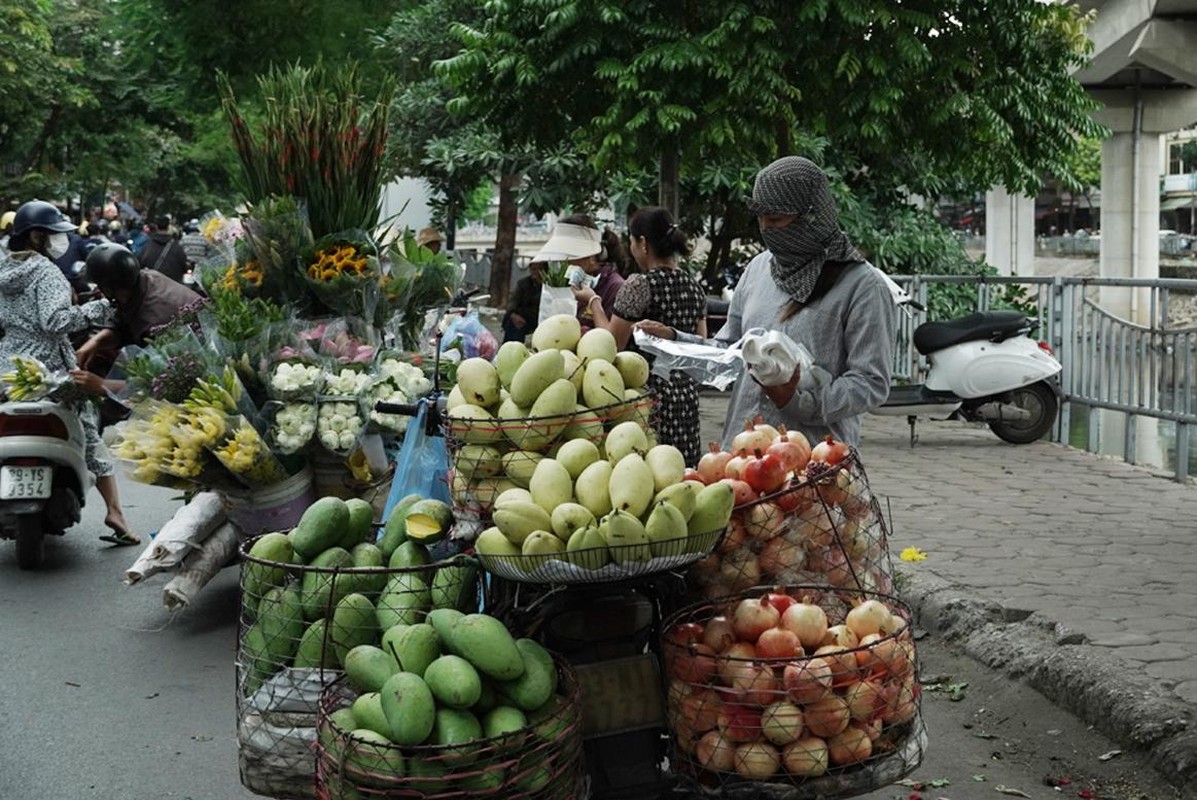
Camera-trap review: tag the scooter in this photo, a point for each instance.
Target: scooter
(43, 475)
(985, 367)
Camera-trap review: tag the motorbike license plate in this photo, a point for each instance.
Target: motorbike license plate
(25, 483)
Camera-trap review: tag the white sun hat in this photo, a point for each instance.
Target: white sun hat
(569, 242)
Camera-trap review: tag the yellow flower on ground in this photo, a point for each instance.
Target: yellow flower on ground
(912, 554)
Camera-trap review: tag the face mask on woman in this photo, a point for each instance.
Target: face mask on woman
(58, 245)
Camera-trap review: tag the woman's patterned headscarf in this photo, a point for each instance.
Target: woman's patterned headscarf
(794, 185)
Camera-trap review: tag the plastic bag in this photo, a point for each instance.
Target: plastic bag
(470, 336)
(709, 365)
(771, 357)
(556, 300)
(423, 464)
(289, 426)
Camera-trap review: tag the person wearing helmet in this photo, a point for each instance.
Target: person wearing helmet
(6, 228)
(143, 299)
(38, 315)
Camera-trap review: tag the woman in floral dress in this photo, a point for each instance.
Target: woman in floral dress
(664, 292)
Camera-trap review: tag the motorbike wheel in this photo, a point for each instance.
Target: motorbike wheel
(1038, 398)
(31, 543)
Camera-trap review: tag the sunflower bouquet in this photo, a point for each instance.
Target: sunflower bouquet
(342, 272)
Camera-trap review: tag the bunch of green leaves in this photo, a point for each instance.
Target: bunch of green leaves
(278, 232)
(419, 281)
(240, 319)
(556, 274)
(318, 139)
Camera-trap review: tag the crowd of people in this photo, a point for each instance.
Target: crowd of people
(810, 283)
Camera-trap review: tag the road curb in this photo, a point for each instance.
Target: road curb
(1059, 665)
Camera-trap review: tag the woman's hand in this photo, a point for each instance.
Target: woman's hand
(88, 381)
(583, 295)
(654, 328)
(782, 394)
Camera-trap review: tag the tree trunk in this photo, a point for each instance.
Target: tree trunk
(450, 225)
(667, 183)
(504, 255)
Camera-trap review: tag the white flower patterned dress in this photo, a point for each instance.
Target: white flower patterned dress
(36, 315)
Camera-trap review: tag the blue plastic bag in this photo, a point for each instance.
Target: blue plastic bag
(423, 465)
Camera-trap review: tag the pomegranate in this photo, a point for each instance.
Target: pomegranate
(826, 717)
(714, 752)
(901, 702)
(755, 684)
(759, 424)
(719, 634)
(806, 757)
(780, 600)
(740, 570)
(850, 746)
(779, 554)
(685, 633)
(736, 535)
(870, 616)
(797, 498)
(778, 643)
(864, 699)
(752, 617)
(691, 474)
(693, 664)
(733, 658)
(764, 520)
(842, 636)
(788, 453)
(757, 760)
(739, 723)
(764, 473)
(882, 656)
(871, 729)
(742, 492)
(808, 681)
(781, 723)
(808, 621)
(700, 710)
(829, 451)
(835, 492)
(734, 467)
(711, 465)
(844, 669)
(751, 439)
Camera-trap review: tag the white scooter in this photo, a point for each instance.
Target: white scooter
(43, 475)
(984, 368)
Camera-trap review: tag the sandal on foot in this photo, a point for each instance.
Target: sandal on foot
(121, 539)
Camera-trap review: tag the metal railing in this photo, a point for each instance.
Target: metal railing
(1110, 364)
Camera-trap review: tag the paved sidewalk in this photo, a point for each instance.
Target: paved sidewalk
(1074, 573)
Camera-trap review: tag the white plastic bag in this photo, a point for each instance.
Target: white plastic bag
(771, 356)
(556, 300)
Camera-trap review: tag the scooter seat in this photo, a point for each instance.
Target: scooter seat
(932, 336)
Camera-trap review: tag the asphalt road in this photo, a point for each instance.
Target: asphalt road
(105, 695)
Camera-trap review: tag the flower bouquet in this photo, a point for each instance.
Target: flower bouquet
(29, 380)
(244, 453)
(291, 425)
(339, 424)
(342, 272)
(420, 280)
(396, 380)
(277, 230)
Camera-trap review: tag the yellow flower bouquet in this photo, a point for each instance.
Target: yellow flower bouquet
(245, 453)
(342, 272)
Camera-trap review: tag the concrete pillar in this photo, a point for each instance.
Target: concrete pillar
(1010, 232)
(1130, 220)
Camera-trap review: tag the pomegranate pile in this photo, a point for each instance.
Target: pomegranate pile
(790, 685)
(803, 515)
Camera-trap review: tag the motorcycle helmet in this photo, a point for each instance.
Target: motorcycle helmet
(38, 214)
(112, 268)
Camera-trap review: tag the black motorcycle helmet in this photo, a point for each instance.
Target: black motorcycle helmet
(113, 268)
(36, 215)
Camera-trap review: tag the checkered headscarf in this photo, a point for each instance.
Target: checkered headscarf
(794, 185)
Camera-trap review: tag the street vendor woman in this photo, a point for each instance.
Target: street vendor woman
(815, 287)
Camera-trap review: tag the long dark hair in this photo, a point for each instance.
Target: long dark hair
(656, 225)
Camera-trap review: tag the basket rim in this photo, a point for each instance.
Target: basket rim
(648, 397)
(801, 482)
(464, 559)
(892, 602)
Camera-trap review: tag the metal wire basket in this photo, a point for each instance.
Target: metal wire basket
(543, 761)
(753, 714)
(604, 564)
(295, 626)
(826, 529)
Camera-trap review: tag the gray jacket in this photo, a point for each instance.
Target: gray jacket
(850, 334)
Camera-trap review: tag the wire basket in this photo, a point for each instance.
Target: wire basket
(296, 624)
(828, 529)
(604, 564)
(543, 761)
(489, 455)
(820, 700)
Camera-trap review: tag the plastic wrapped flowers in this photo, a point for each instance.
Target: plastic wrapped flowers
(346, 381)
(295, 380)
(398, 382)
(293, 427)
(338, 425)
(246, 455)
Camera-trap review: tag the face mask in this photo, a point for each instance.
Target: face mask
(58, 245)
